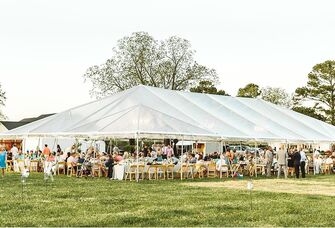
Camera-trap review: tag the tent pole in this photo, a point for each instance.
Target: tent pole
(182, 153)
(24, 145)
(137, 169)
(221, 160)
(53, 146)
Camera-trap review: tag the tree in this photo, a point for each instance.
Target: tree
(250, 90)
(140, 59)
(207, 87)
(309, 111)
(320, 89)
(276, 96)
(2, 102)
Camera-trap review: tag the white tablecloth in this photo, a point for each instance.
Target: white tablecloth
(118, 172)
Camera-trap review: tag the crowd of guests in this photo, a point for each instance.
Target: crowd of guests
(291, 161)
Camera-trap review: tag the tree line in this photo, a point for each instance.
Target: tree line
(141, 59)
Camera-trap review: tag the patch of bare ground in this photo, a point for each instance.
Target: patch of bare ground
(301, 186)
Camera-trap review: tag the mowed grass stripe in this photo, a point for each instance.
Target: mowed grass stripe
(99, 202)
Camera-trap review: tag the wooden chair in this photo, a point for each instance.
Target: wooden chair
(326, 168)
(96, 169)
(211, 170)
(33, 166)
(224, 169)
(132, 171)
(9, 166)
(190, 170)
(259, 169)
(152, 173)
(79, 172)
(70, 169)
(60, 167)
(169, 171)
(160, 172)
(183, 171)
(199, 170)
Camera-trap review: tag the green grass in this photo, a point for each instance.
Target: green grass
(100, 202)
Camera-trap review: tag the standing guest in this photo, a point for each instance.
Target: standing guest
(20, 161)
(3, 158)
(164, 152)
(282, 161)
(14, 150)
(153, 153)
(229, 155)
(145, 150)
(296, 159)
(303, 160)
(59, 149)
(46, 151)
(268, 160)
(290, 162)
(316, 166)
(110, 164)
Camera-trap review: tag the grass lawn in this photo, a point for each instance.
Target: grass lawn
(100, 202)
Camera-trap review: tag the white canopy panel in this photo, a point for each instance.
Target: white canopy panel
(154, 112)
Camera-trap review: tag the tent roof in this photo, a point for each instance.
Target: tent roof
(157, 113)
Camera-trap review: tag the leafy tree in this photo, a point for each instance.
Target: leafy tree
(276, 96)
(2, 102)
(250, 90)
(207, 87)
(309, 111)
(140, 59)
(320, 89)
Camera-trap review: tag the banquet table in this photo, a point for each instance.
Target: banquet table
(118, 171)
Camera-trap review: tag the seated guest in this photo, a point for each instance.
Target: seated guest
(159, 157)
(73, 160)
(67, 156)
(118, 158)
(192, 160)
(153, 153)
(126, 155)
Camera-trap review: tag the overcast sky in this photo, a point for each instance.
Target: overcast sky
(46, 46)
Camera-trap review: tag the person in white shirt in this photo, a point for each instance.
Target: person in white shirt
(14, 151)
(316, 165)
(303, 161)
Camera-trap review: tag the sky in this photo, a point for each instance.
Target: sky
(46, 46)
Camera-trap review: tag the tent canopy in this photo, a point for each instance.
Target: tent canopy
(158, 113)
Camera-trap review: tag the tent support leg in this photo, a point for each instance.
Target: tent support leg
(182, 153)
(137, 155)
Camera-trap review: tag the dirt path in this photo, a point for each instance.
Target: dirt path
(276, 185)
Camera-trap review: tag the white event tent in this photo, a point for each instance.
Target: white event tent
(149, 112)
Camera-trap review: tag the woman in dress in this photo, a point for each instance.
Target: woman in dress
(3, 158)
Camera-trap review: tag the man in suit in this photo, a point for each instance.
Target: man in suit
(268, 160)
(296, 159)
(282, 161)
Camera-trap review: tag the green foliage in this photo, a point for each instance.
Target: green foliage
(320, 89)
(308, 111)
(140, 59)
(100, 202)
(207, 87)
(250, 90)
(2, 102)
(276, 96)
